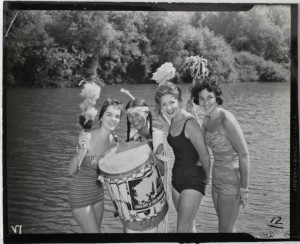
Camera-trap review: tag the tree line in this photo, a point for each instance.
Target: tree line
(61, 48)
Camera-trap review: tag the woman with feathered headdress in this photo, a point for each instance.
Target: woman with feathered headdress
(86, 198)
(140, 128)
(230, 172)
(192, 162)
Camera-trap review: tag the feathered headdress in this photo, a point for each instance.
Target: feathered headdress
(127, 93)
(197, 67)
(90, 93)
(164, 73)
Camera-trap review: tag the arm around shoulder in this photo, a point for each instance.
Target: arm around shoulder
(196, 135)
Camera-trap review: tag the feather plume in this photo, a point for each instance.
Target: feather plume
(90, 90)
(90, 93)
(91, 113)
(197, 67)
(164, 73)
(127, 92)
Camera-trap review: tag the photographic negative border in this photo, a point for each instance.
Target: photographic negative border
(171, 237)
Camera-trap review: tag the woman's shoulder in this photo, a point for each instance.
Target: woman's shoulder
(186, 115)
(228, 120)
(226, 115)
(191, 123)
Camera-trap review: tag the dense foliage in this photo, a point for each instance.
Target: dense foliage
(60, 48)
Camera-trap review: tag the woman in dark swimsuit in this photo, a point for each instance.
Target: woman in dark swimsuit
(192, 161)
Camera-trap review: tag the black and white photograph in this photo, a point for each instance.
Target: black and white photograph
(138, 118)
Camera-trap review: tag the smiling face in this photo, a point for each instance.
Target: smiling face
(207, 101)
(170, 105)
(138, 119)
(111, 117)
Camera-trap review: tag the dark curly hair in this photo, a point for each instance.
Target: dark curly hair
(211, 85)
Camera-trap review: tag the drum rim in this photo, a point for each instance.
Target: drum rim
(131, 170)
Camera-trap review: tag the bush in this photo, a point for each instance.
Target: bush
(251, 67)
(271, 71)
(63, 68)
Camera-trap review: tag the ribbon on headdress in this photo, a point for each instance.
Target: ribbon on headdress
(138, 109)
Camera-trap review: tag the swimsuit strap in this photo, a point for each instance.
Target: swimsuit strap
(182, 127)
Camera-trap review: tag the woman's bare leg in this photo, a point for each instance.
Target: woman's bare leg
(227, 208)
(187, 207)
(86, 217)
(99, 210)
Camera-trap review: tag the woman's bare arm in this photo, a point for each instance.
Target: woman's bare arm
(73, 165)
(235, 134)
(195, 134)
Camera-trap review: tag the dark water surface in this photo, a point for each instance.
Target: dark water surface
(41, 136)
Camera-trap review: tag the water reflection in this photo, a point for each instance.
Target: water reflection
(41, 136)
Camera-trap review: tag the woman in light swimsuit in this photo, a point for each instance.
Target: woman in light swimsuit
(230, 175)
(191, 168)
(86, 196)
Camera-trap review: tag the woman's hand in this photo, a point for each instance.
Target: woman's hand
(208, 180)
(243, 197)
(84, 140)
(83, 146)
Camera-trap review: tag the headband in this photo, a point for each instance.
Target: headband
(138, 109)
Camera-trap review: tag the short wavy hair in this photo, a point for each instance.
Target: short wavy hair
(167, 88)
(211, 85)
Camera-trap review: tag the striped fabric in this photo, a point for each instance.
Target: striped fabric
(85, 189)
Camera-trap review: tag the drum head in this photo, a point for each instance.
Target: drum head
(124, 157)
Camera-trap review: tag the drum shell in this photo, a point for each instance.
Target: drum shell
(120, 188)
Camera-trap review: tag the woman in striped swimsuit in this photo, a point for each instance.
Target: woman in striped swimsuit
(86, 195)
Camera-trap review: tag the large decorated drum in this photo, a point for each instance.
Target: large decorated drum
(135, 185)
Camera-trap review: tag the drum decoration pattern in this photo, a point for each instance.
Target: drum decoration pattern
(137, 194)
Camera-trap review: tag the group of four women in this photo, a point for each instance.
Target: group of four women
(219, 131)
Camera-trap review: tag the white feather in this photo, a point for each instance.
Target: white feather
(127, 92)
(164, 73)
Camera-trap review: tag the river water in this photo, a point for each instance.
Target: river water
(41, 136)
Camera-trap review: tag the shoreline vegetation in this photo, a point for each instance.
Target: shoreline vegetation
(61, 48)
